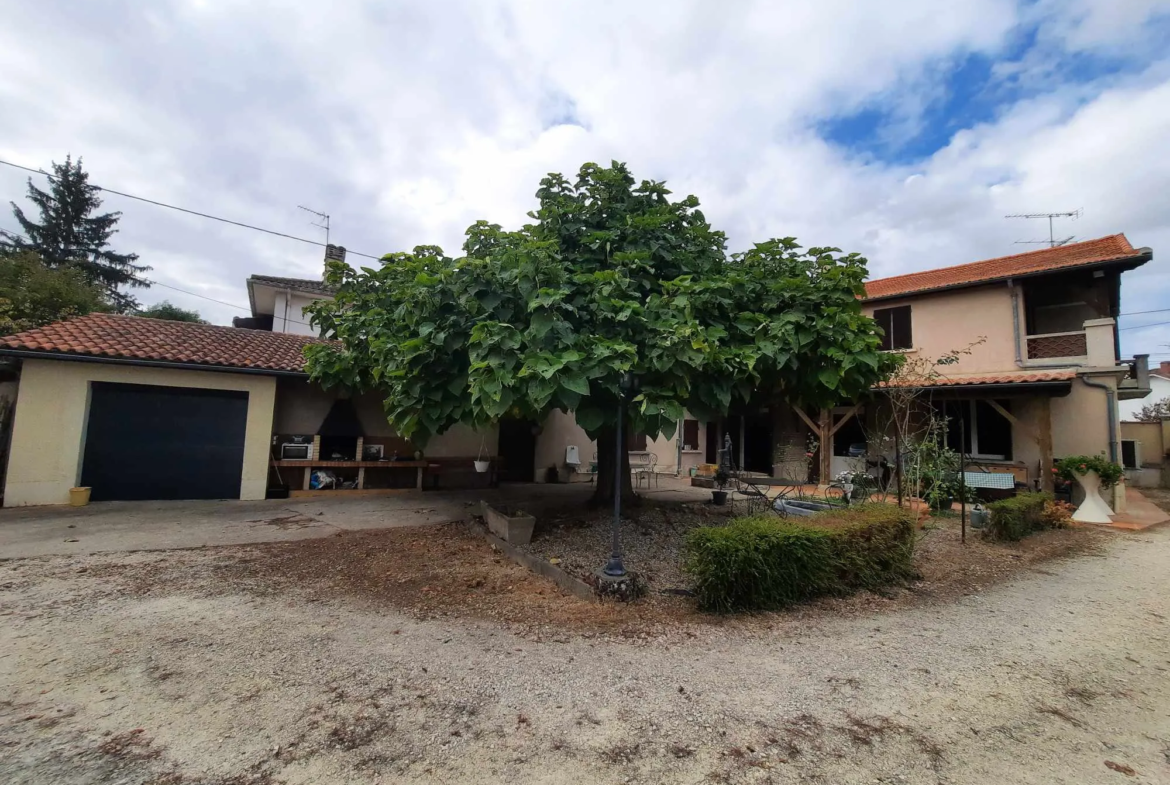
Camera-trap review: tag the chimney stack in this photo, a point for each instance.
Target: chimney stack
(1164, 369)
(333, 253)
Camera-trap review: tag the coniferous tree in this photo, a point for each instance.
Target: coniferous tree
(70, 234)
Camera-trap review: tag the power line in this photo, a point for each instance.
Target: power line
(1143, 326)
(150, 282)
(193, 212)
(1139, 313)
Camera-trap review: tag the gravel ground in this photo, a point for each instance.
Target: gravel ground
(346, 660)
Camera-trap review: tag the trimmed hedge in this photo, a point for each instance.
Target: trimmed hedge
(764, 562)
(1015, 518)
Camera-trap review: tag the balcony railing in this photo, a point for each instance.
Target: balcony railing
(1042, 347)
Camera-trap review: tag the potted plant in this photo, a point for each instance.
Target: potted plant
(1092, 473)
(719, 495)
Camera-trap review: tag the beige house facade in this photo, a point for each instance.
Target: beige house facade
(139, 408)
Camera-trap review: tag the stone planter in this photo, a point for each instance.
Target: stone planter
(1093, 509)
(512, 526)
(800, 508)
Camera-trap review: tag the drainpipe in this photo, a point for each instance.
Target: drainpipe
(678, 446)
(1016, 320)
(1111, 405)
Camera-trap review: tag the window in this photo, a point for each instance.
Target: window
(636, 442)
(895, 323)
(989, 433)
(690, 434)
(1130, 454)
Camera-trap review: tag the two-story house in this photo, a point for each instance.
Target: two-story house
(1038, 374)
(145, 409)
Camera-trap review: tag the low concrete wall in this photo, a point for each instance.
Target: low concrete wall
(543, 568)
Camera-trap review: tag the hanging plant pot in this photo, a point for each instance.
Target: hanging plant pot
(482, 463)
(482, 466)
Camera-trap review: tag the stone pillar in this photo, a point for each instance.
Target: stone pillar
(1099, 343)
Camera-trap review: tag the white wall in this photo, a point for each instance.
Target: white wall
(1159, 389)
(288, 315)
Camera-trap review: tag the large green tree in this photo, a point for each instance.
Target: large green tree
(172, 313)
(33, 295)
(70, 234)
(612, 277)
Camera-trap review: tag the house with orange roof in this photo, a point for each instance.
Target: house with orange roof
(144, 409)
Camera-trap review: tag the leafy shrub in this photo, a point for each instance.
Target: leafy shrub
(1109, 472)
(764, 562)
(1015, 518)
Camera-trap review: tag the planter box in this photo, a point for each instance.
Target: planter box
(800, 508)
(511, 526)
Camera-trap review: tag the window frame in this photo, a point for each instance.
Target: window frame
(889, 337)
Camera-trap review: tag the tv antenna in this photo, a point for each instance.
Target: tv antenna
(324, 221)
(1052, 241)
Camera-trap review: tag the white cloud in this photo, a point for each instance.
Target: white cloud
(408, 121)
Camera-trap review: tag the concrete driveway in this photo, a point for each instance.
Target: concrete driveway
(137, 526)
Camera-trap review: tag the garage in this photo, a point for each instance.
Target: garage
(154, 442)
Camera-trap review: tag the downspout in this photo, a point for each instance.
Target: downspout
(679, 446)
(1016, 320)
(1111, 405)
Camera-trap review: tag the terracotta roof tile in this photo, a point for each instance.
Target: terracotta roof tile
(1012, 377)
(135, 337)
(1105, 249)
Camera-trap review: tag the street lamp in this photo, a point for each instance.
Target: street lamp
(615, 568)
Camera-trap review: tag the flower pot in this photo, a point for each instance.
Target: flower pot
(1093, 509)
(482, 466)
(719, 498)
(79, 497)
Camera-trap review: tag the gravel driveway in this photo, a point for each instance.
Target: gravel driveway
(1059, 676)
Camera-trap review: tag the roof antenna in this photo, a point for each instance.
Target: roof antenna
(1052, 241)
(324, 221)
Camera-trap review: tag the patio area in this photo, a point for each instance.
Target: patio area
(164, 525)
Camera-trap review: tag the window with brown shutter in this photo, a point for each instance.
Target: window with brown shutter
(690, 434)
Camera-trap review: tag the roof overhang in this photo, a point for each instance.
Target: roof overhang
(28, 354)
(1123, 264)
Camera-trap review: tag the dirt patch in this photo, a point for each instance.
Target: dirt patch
(450, 570)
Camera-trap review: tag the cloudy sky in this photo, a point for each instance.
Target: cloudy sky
(905, 130)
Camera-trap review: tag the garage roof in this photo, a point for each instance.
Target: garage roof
(156, 341)
(1114, 249)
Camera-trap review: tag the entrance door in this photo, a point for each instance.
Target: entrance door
(149, 442)
(517, 451)
(757, 443)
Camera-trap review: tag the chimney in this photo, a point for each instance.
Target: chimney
(1164, 369)
(1141, 370)
(334, 253)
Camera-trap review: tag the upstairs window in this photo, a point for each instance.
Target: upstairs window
(690, 434)
(895, 323)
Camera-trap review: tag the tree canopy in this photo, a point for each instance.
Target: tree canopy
(172, 313)
(611, 277)
(70, 235)
(33, 295)
(1154, 412)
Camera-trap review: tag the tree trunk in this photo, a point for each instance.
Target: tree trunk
(603, 491)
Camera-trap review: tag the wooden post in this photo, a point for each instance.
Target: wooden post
(898, 464)
(825, 436)
(1047, 481)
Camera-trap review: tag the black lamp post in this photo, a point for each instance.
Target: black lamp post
(615, 568)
